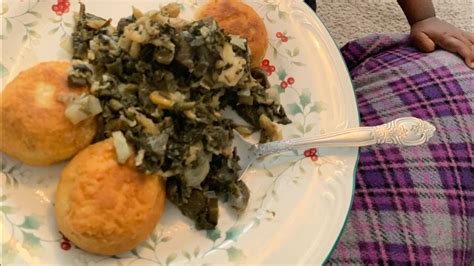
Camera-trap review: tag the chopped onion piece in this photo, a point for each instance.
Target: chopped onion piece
(195, 176)
(83, 108)
(139, 157)
(122, 149)
(137, 13)
(238, 41)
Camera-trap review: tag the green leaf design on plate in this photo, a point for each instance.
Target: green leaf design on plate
(281, 74)
(196, 251)
(6, 209)
(171, 258)
(54, 20)
(11, 181)
(235, 254)
(147, 246)
(9, 251)
(9, 26)
(34, 13)
(154, 238)
(31, 222)
(275, 52)
(272, 213)
(35, 34)
(296, 52)
(299, 126)
(299, 63)
(187, 255)
(3, 71)
(283, 15)
(268, 172)
(233, 233)
(256, 221)
(213, 234)
(31, 24)
(272, 7)
(269, 19)
(134, 252)
(317, 107)
(274, 195)
(31, 242)
(305, 98)
(3, 197)
(294, 109)
(53, 31)
(309, 127)
(165, 239)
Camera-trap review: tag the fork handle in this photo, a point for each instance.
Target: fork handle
(406, 131)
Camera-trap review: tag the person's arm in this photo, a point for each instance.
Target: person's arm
(427, 31)
(417, 10)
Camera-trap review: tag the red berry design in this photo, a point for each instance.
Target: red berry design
(311, 153)
(291, 80)
(65, 245)
(284, 39)
(284, 85)
(314, 158)
(265, 65)
(61, 7)
(279, 34)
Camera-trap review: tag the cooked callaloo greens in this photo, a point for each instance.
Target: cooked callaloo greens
(162, 84)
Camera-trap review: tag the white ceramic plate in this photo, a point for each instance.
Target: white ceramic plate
(298, 205)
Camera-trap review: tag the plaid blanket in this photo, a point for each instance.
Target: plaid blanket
(412, 205)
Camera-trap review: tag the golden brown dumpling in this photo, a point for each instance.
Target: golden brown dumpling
(104, 207)
(33, 126)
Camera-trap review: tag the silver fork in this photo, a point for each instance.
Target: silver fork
(406, 131)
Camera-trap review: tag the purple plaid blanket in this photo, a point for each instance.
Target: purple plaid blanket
(412, 205)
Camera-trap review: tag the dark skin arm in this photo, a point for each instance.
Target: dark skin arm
(427, 31)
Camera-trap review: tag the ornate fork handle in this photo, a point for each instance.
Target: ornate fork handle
(406, 131)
